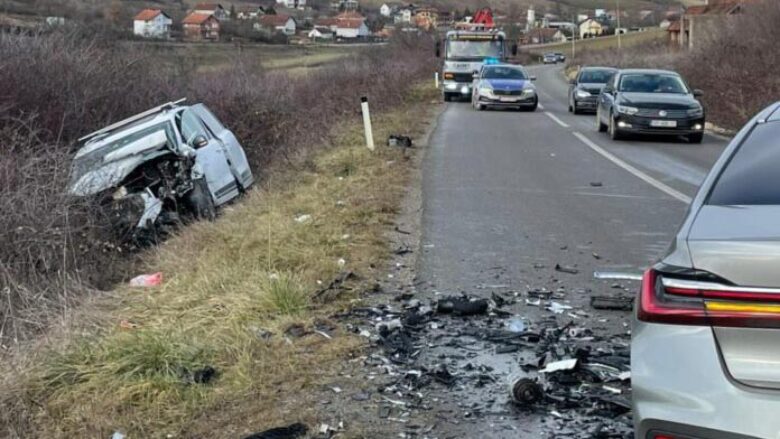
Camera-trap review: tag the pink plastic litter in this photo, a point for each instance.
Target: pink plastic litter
(147, 280)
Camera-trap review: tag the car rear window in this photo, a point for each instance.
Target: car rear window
(752, 176)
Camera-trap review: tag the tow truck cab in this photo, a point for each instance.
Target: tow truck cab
(464, 54)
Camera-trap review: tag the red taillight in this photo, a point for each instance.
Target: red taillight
(706, 304)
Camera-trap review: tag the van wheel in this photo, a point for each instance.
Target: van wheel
(200, 202)
(696, 137)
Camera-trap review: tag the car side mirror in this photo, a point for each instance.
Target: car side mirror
(698, 93)
(532, 78)
(199, 141)
(438, 49)
(514, 49)
(475, 76)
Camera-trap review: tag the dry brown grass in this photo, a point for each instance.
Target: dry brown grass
(253, 270)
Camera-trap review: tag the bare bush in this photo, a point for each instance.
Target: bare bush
(60, 86)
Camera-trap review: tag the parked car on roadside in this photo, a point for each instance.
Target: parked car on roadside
(504, 86)
(706, 336)
(550, 58)
(560, 57)
(659, 102)
(148, 170)
(585, 88)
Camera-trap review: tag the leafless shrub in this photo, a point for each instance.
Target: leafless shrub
(59, 86)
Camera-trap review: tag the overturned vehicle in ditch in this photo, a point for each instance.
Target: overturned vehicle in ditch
(155, 170)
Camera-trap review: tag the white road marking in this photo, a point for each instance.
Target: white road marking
(674, 193)
(555, 118)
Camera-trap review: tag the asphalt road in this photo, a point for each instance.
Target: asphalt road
(508, 195)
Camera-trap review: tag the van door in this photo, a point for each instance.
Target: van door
(211, 158)
(235, 153)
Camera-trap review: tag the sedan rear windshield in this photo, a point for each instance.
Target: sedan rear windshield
(596, 76)
(751, 177)
(503, 73)
(652, 83)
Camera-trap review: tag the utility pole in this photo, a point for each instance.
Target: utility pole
(620, 42)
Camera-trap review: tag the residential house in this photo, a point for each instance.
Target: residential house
(320, 33)
(544, 35)
(426, 18)
(201, 27)
(274, 24)
(345, 5)
(152, 23)
(214, 9)
(249, 12)
(55, 21)
(591, 28)
(404, 15)
(292, 4)
(385, 10)
(350, 28)
(697, 20)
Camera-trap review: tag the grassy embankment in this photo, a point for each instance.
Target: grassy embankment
(629, 40)
(128, 361)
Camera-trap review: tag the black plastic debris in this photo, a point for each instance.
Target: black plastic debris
(292, 431)
(296, 331)
(596, 184)
(399, 140)
(336, 285)
(462, 306)
(564, 269)
(619, 303)
(204, 375)
(441, 374)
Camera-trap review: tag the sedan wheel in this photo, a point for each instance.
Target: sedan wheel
(601, 127)
(614, 133)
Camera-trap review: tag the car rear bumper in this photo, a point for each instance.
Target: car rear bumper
(681, 389)
(642, 125)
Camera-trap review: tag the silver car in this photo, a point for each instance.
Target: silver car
(706, 339)
(152, 167)
(504, 86)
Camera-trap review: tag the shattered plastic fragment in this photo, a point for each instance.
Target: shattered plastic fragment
(292, 431)
(559, 365)
(558, 308)
(147, 280)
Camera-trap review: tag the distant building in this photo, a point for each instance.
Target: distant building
(404, 15)
(591, 28)
(709, 18)
(319, 33)
(201, 27)
(214, 9)
(152, 23)
(249, 12)
(345, 5)
(292, 4)
(273, 24)
(544, 35)
(426, 18)
(352, 28)
(55, 21)
(385, 10)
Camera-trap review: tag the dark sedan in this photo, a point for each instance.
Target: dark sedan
(585, 88)
(655, 102)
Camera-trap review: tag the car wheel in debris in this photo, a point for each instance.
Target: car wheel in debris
(614, 133)
(200, 201)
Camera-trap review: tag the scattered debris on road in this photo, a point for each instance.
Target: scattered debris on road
(565, 269)
(292, 431)
(619, 303)
(399, 140)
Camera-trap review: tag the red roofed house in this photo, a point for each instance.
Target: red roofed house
(214, 9)
(273, 24)
(704, 18)
(201, 27)
(352, 28)
(152, 23)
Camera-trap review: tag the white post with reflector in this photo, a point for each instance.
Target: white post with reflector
(436, 79)
(367, 123)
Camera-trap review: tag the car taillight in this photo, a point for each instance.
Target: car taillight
(671, 300)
